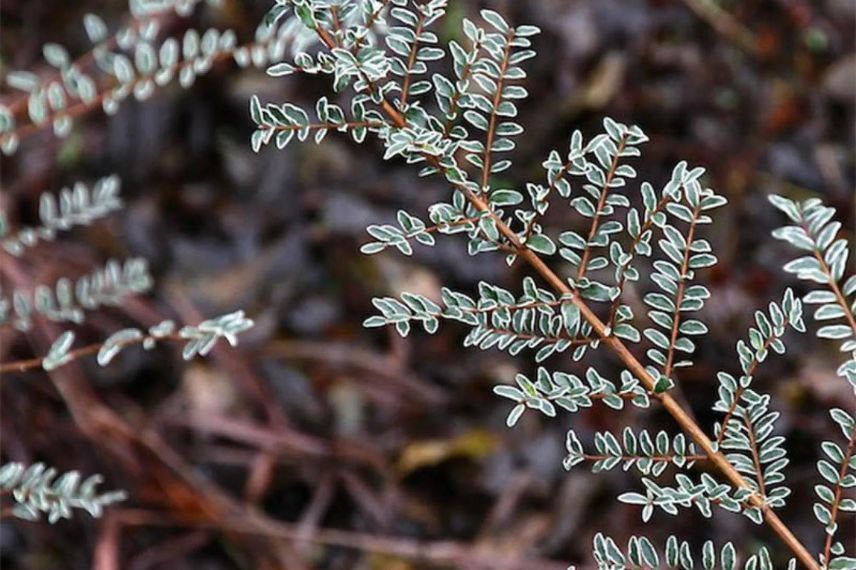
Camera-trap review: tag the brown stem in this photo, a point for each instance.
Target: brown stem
(833, 285)
(456, 98)
(497, 98)
(836, 501)
(660, 458)
(581, 272)
(31, 363)
(575, 340)
(374, 15)
(462, 222)
(679, 297)
(756, 459)
(520, 307)
(337, 26)
(547, 340)
(411, 60)
(622, 395)
(456, 223)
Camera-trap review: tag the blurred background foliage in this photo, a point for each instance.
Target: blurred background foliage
(324, 425)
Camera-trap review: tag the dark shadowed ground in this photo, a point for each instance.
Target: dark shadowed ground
(324, 425)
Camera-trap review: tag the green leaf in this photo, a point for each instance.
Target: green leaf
(281, 69)
(540, 243)
(627, 332)
(495, 20)
(570, 317)
(835, 331)
(514, 415)
(505, 197)
(256, 110)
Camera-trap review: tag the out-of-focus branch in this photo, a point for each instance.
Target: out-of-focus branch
(724, 23)
(457, 554)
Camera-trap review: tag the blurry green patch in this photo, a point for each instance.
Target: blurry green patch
(726, 99)
(816, 39)
(378, 561)
(70, 151)
(451, 25)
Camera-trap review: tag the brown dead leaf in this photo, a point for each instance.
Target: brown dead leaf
(605, 81)
(208, 391)
(473, 444)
